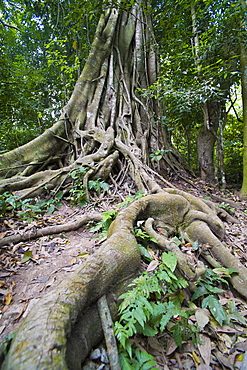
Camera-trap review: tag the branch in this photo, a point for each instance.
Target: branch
(9, 25)
(107, 326)
(55, 229)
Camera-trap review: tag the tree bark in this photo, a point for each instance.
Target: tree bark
(243, 65)
(105, 113)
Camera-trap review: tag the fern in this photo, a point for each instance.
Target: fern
(147, 309)
(104, 224)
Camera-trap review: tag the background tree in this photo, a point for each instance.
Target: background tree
(243, 59)
(199, 64)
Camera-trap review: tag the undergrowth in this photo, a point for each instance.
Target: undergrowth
(27, 209)
(156, 302)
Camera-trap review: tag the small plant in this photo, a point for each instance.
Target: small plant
(104, 224)
(153, 302)
(8, 202)
(158, 154)
(207, 289)
(98, 185)
(77, 193)
(227, 207)
(131, 198)
(28, 209)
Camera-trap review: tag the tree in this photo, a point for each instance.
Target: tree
(243, 59)
(104, 110)
(199, 65)
(108, 127)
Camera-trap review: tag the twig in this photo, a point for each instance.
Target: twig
(107, 326)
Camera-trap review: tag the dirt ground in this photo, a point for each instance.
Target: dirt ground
(53, 258)
(28, 270)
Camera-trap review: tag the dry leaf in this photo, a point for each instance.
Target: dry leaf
(171, 347)
(2, 235)
(202, 317)
(8, 298)
(152, 266)
(73, 261)
(223, 360)
(22, 311)
(205, 349)
(155, 344)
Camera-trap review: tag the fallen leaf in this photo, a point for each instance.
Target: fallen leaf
(22, 311)
(171, 347)
(82, 255)
(205, 349)
(26, 257)
(152, 266)
(223, 360)
(155, 344)
(202, 317)
(8, 299)
(2, 235)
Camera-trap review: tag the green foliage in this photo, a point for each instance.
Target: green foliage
(131, 198)
(104, 224)
(43, 45)
(98, 185)
(28, 209)
(142, 234)
(207, 287)
(141, 361)
(78, 193)
(226, 207)
(158, 154)
(153, 301)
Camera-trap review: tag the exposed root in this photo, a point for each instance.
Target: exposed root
(49, 230)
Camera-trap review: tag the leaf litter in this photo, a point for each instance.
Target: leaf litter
(29, 269)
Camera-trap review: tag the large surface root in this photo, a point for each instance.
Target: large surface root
(41, 341)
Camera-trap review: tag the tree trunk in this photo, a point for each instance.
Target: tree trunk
(106, 119)
(206, 140)
(243, 61)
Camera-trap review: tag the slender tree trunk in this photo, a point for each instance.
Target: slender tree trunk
(206, 140)
(243, 66)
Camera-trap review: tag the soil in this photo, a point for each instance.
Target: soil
(25, 276)
(53, 258)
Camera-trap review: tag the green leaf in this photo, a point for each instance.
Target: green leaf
(149, 331)
(214, 289)
(224, 271)
(215, 307)
(177, 334)
(170, 260)
(195, 245)
(200, 291)
(145, 253)
(59, 195)
(234, 314)
(26, 257)
(51, 209)
(165, 319)
(124, 362)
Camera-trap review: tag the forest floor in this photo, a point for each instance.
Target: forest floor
(28, 270)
